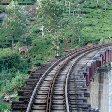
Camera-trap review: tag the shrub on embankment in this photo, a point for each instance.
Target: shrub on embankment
(13, 74)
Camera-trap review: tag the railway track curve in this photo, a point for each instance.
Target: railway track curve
(60, 89)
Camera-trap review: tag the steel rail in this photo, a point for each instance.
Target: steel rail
(48, 71)
(43, 77)
(67, 79)
(52, 87)
(69, 72)
(70, 58)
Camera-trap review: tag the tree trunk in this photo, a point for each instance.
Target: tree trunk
(105, 5)
(12, 43)
(65, 3)
(69, 8)
(97, 1)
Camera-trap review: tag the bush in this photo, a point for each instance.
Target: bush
(8, 86)
(11, 60)
(4, 107)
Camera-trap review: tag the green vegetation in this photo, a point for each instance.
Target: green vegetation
(13, 73)
(33, 35)
(21, 2)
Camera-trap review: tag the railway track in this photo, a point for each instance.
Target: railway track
(59, 90)
(76, 89)
(51, 93)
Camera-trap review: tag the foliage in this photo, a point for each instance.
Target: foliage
(10, 59)
(21, 2)
(12, 73)
(15, 25)
(51, 12)
(2, 10)
(65, 26)
(9, 84)
(12, 84)
(97, 23)
(41, 48)
(4, 107)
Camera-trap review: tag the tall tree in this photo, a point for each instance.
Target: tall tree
(50, 14)
(14, 25)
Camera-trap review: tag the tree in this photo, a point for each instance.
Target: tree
(14, 25)
(50, 13)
